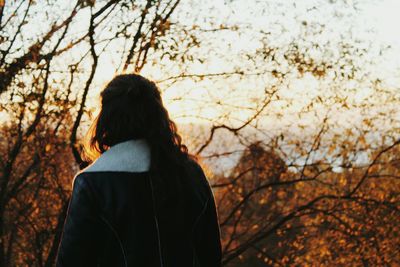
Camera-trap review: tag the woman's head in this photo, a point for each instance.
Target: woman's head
(132, 108)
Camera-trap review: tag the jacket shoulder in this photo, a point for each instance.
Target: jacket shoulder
(200, 178)
(80, 179)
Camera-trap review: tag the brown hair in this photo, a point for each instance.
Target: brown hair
(132, 108)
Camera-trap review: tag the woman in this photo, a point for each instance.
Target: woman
(144, 201)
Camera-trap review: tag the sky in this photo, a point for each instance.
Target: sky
(384, 16)
(381, 16)
(374, 20)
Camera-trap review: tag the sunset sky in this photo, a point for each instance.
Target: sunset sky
(372, 22)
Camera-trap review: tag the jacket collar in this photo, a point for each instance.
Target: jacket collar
(129, 156)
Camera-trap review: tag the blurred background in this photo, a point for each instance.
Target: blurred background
(291, 106)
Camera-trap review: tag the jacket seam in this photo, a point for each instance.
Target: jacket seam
(201, 213)
(194, 226)
(156, 221)
(117, 237)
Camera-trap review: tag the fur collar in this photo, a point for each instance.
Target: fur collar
(129, 156)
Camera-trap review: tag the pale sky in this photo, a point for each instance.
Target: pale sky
(375, 20)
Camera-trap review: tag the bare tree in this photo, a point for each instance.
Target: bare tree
(307, 186)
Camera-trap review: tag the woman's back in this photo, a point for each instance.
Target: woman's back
(113, 219)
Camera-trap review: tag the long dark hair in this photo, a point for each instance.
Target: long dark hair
(132, 108)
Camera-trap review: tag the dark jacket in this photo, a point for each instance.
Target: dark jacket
(111, 218)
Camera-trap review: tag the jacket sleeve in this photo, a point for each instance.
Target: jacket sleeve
(207, 233)
(81, 226)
